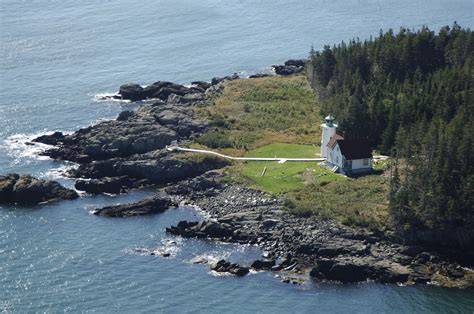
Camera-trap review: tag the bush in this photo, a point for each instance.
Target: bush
(289, 203)
(218, 121)
(247, 107)
(215, 140)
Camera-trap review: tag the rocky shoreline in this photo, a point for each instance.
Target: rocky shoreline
(325, 250)
(130, 152)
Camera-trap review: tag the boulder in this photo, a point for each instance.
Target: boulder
(217, 80)
(225, 267)
(295, 62)
(151, 90)
(124, 115)
(114, 185)
(286, 70)
(27, 190)
(160, 89)
(201, 84)
(131, 91)
(217, 230)
(343, 271)
(152, 205)
(259, 75)
(50, 139)
(260, 265)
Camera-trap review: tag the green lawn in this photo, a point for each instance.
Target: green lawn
(280, 178)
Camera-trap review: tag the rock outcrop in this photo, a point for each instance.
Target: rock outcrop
(226, 267)
(27, 190)
(127, 153)
(158, 90)
(112, 185)
(153, 205)
(156, 167)
(290, 67)
(150, 128)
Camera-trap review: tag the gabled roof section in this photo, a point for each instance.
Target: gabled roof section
(355, 148)
(333, 139)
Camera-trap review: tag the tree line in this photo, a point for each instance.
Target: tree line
(411, 95)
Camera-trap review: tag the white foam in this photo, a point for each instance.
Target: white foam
(22, 150)
(108, 97)
(61, 171)
(111, 97)
(170, 248)
(266, 70)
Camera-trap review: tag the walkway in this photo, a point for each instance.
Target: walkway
(277, 159)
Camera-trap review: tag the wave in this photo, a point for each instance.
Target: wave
(115, 97)
(21, 148)
(61, 171)
(23, 151)
(265, 71)
(170, 247)
(108, 97)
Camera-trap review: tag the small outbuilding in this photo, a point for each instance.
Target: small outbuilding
(345, 155)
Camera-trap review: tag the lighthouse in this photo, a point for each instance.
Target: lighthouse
(328, 130)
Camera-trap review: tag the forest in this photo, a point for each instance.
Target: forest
(411, 95)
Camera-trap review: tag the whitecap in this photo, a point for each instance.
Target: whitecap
(21, 148)
(61, 171)
(100, 97)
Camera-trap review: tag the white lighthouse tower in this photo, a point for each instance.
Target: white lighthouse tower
(328, 130)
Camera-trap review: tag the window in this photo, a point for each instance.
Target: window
(365, 162)
(337, 159)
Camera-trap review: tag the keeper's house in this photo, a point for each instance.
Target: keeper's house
(349, 156)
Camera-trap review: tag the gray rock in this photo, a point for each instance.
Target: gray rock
(259, 265)
(132, 92)
(153, 205)
(235, 269)
(114, 185)
(27, 190)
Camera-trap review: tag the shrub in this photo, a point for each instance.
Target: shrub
(218, 121)
(247, 107)
(289, 203)
(215, 140)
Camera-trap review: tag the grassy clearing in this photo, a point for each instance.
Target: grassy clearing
(354, 201)
(254, 112)
(279, 117)
(289, 176)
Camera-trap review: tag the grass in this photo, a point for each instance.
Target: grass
(255, 112)
(279, 116)
(354, 201)
(288, 176)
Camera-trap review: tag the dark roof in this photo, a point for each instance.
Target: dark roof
(355, 148)
(333, 140)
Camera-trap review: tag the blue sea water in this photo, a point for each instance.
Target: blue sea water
(56, 56)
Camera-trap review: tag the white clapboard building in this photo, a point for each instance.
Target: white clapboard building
(345, 155)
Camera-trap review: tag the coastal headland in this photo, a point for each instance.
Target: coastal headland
(250, 117)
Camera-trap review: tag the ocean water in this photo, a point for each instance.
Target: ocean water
(56, 56)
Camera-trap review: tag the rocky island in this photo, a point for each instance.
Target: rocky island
(130, 152)
(28, 190)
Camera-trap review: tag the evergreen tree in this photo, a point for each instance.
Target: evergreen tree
(411, 94)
